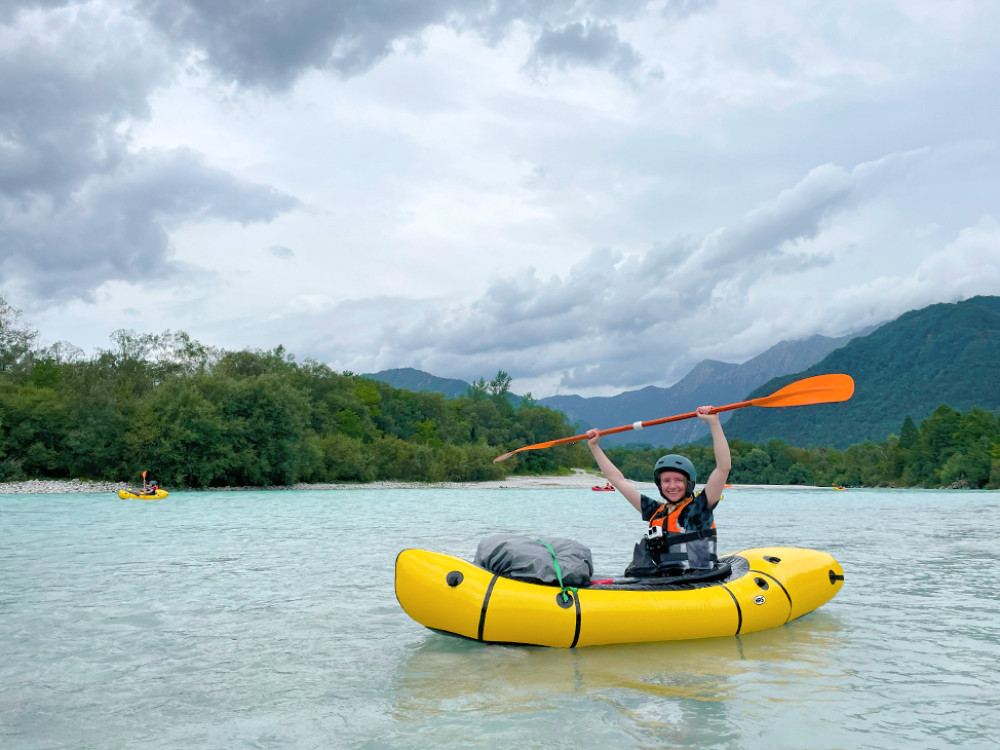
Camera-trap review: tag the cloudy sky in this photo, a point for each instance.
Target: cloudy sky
(591, 195)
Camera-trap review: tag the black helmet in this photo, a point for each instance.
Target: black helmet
(673, 462)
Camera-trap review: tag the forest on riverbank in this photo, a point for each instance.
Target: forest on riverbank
(195, 416)
(948, 449)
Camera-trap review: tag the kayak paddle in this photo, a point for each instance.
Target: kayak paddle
(819, 389)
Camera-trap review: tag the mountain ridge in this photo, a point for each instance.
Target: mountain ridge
(708, 382)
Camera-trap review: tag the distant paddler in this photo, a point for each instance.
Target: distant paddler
(150, 488)
(150, 491)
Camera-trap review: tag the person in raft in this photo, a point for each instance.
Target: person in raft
(681, 533)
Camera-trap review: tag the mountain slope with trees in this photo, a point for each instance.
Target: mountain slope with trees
(943, 354)
(422, 382)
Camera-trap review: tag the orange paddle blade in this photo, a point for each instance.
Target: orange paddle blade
(819, 389)
(536, 446)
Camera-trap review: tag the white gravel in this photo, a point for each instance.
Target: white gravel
(578, 479)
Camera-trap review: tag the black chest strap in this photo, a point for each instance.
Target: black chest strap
(671, 538)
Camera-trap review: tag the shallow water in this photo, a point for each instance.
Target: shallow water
(268, 620)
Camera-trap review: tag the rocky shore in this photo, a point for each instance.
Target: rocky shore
(579, 478)
(65, 486)
(58, 486)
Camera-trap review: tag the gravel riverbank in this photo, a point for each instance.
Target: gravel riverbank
(58, 486)
(579, 478)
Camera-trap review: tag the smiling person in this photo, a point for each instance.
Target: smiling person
(681, 533)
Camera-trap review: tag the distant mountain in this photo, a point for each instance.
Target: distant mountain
(709, 382)
(941, 354)
(418, 380)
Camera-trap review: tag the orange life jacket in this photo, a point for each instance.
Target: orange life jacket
(679, 547)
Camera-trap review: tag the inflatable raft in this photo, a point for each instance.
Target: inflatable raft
(760, 588)
(139, 495)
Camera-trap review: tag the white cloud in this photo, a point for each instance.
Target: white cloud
(966, 267)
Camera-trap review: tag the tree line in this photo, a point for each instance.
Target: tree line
(948, 449)
(196, 416)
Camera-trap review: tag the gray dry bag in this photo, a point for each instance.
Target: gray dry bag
(528, 559)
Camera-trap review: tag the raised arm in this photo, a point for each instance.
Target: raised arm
(612, 472)
(723, 460)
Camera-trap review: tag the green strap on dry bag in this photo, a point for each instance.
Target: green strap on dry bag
(555, 564)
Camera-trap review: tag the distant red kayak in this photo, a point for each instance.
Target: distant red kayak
(603, 489)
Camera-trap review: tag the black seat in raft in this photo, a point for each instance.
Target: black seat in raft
(727, 569)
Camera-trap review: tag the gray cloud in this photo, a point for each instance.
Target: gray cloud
(258, 42)
(10, 10)
(115, 226)
(280, 251)
(682, 9)
(78, 207)
(588, 44)
(264, 43)
(65, 91)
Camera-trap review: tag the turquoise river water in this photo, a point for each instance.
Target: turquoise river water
(268, 620)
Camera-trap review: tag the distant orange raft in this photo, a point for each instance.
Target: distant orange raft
(763, 588)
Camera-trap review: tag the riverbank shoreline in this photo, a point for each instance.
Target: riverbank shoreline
(579, 479)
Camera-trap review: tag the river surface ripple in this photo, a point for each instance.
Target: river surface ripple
(268, 620)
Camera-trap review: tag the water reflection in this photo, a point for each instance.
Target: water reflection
(679, 692)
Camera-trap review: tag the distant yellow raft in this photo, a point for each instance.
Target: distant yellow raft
(768, 587)
(138, 495)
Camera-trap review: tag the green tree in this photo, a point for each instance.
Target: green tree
(932, 449)
(799, 473)
(181, 437)
(499, 386)
(477, 390)
(908, 433)
(751, 467)
(861, 463)
(970, 463)
(16, 341)
(32, 427)
(994, 482)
